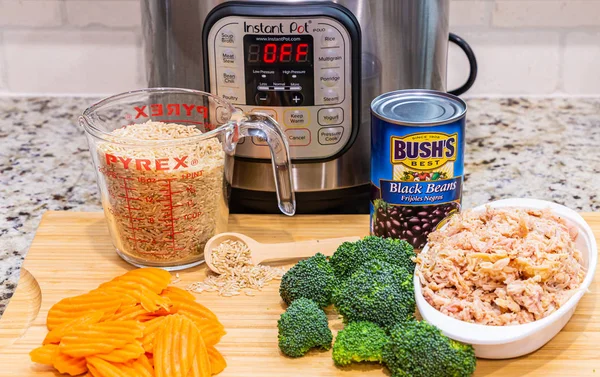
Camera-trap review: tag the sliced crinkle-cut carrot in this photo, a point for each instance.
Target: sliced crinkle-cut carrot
(150, 329)
(217, 361)
(190, 308)
(128, 313)
(138, 368)
(201, 365)
(103, 368)
(57, 333)
(154, 279)
(130, 351)
(101, 337)
(175, 346)
(73, 307)
(148, 299)
(145, 363)
(44, 354)
(66, 364)
(211, 331)
(172, 291)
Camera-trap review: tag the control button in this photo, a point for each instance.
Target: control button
(264, 98)
(330, 77)
(330, 38)
(330, 116)
(331, 58)
(330, 135)
(294, 98)
(242, 140)
(223, 114)
(229, 78)
(232, 95)
(226, 37)
(298, 137)
(331, 96)
(269, 112)
(227, 56)
(296, 118)
(259, 140)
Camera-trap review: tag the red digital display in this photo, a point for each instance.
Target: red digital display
(278, 52)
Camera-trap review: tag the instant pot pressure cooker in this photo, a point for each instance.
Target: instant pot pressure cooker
(314, 66)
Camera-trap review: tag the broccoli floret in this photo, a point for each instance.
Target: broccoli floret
(358, 342)
(302, 327)
(312, 278)
(419, 349)
(349, 256)
(378, 292)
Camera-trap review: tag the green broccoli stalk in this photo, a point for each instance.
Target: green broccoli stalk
(359, 342)
(312, 278)
(419, 349)
(378, 292)
(302, 327)
(350, 256)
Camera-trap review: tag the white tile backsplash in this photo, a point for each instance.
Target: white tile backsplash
(111, 13)
(537, 47)
(546, 13)
(66, 62)
(31, 13)
(581, 62)
(509, 63)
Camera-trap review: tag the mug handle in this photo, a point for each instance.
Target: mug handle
(472, 64)
(255, 124)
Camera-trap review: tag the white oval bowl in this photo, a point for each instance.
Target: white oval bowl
(505, 342)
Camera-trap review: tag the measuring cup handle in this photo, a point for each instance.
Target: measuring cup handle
(266, 127)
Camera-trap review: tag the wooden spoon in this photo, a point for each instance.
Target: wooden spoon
(261, 252)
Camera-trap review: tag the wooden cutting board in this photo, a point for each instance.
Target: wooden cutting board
(72, 253)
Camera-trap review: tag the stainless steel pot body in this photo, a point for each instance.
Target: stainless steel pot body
(403, 44)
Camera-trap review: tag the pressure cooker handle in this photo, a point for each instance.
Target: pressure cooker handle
(472, 64)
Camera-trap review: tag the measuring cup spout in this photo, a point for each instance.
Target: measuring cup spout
(264, 126)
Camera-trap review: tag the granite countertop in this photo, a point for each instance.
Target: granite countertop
(541, 148)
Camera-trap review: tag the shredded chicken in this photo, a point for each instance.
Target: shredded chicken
(501, 266)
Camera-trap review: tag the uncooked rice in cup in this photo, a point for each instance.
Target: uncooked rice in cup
(164, 201)
(237, 273)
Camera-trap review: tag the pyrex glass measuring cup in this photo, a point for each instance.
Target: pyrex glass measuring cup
(163, 159)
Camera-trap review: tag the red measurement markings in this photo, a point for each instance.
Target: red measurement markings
(169, 218)
(127, 192)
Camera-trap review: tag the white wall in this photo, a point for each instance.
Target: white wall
(524, 47)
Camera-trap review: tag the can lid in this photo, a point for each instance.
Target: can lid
(418, 107)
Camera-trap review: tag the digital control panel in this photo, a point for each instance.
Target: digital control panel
(297, 70)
